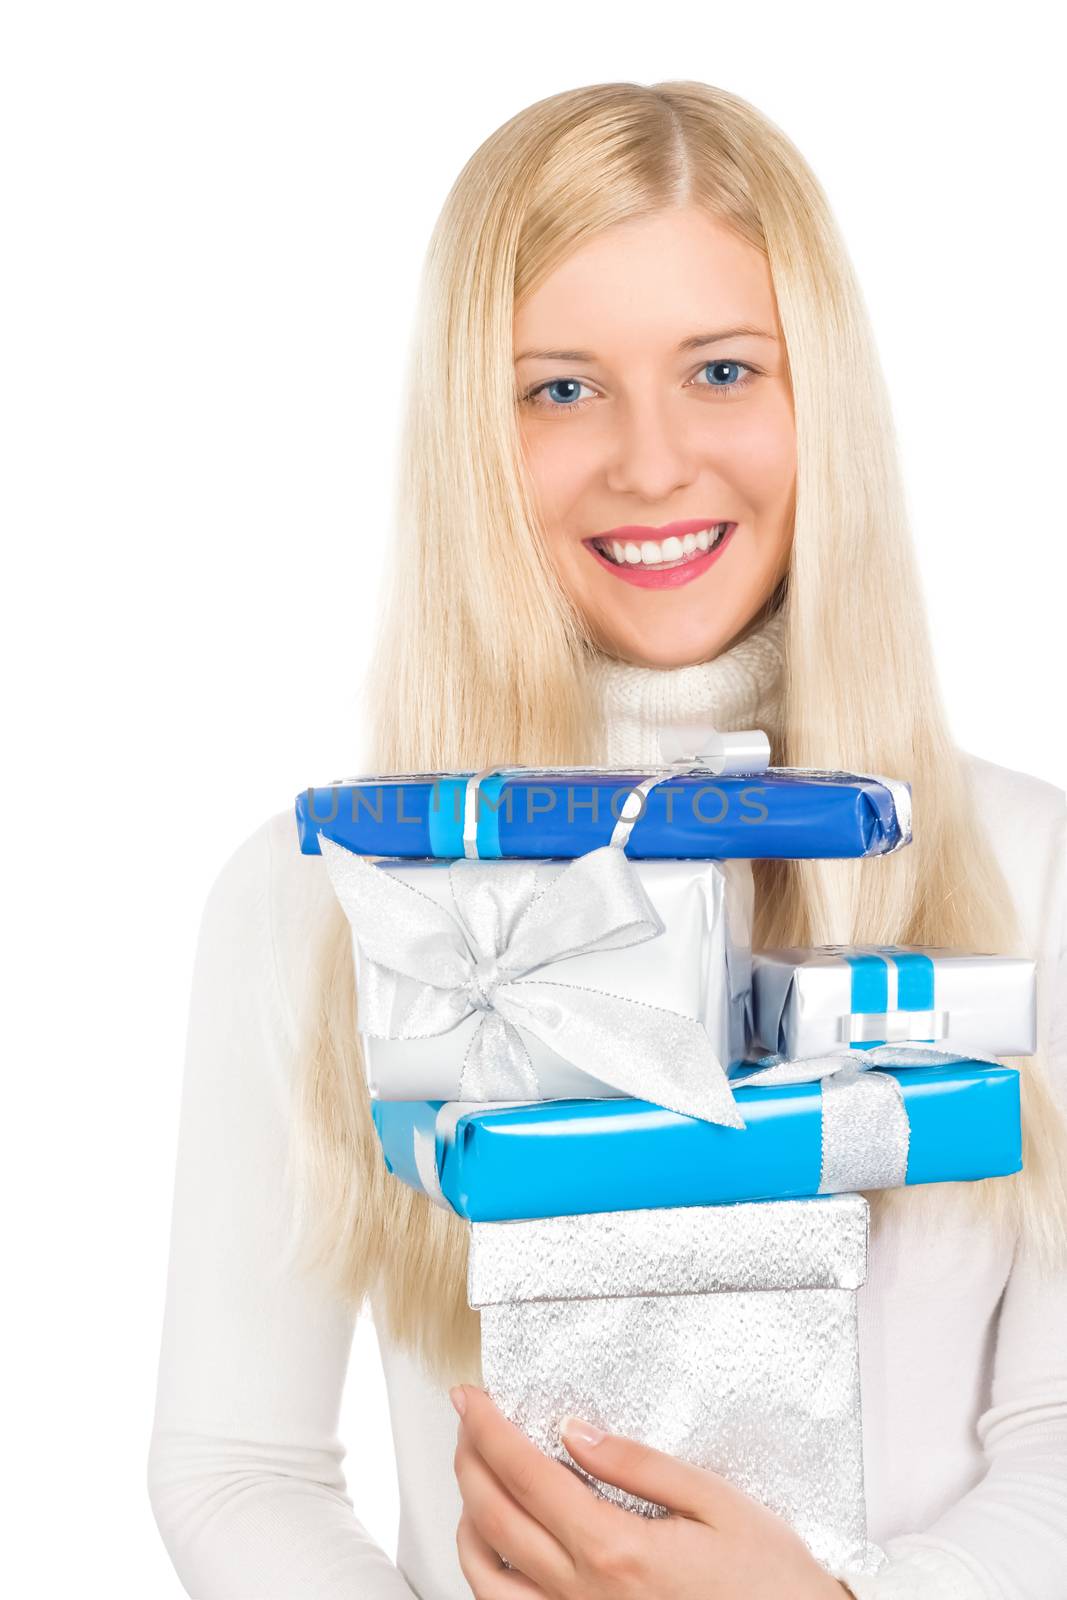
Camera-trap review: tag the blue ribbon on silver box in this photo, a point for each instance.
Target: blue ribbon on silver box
(807, 1000)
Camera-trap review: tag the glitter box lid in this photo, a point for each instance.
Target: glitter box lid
(817, 1243)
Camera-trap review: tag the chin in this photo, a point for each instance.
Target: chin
(669, 654)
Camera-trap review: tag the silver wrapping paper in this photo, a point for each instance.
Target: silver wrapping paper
(698, 967)
(724, 1335)
(984, 1005)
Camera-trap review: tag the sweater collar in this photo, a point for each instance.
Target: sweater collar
(739, 688)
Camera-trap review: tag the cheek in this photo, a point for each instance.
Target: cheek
(557, 467)
(761, 455)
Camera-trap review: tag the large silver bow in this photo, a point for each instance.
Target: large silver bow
(866, 1133)
(426, 969)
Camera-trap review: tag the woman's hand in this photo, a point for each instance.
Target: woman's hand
(565, 1542)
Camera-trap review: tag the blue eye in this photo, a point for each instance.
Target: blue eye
(569, 384)
(567, 401)
(726, 375)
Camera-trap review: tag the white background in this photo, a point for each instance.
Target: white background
(214, 218)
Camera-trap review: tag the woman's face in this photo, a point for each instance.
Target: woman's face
(654, 407)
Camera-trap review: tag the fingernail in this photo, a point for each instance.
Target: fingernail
(458, 1399)
(581, 1430)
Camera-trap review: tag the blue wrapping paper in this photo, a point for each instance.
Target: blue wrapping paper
(780, 812)
(568, 1157)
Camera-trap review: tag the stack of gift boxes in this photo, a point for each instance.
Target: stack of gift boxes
(658, 1136)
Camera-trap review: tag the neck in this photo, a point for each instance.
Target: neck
(739, 688)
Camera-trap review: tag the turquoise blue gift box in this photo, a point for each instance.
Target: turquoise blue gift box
(499, 1162)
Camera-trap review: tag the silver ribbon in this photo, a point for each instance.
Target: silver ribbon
(695, 750)
(444, 1128)
(427, 969)
(894, 1026)
(866, 1134)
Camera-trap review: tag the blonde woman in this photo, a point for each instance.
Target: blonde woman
(648, 474)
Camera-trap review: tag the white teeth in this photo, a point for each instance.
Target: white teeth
(659, 552)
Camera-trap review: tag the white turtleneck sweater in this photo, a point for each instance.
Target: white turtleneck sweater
(963, 1346)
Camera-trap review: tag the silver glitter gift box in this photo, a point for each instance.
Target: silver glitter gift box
(546, 979)
(724, 1335)
(810, 1001)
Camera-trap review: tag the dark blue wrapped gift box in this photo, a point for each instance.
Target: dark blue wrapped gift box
(781, 812)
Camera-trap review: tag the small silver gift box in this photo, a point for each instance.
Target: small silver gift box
(809, 1001)
(551, 978)
(725, 1335)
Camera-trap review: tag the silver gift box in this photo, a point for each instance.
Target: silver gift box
(981, 1004)
(724, 1335)
(699, 966)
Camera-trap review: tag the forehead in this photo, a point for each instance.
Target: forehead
(649, 282)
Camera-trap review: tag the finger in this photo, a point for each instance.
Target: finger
(654, 1474)
(549, 1490)
(480, 1565)
(505, 1525)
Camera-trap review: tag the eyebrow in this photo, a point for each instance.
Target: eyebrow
(694, 342)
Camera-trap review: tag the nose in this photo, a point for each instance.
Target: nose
(650, 456)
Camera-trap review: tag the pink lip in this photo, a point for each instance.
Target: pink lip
(688, 568)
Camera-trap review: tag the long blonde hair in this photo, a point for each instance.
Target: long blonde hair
(482, 658)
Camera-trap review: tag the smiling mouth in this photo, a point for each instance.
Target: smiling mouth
(661, 555)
